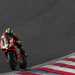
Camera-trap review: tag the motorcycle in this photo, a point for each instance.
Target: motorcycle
(15, 57)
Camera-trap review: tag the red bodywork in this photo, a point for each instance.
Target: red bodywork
(12, 48)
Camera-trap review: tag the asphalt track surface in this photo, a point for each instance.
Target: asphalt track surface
(46, 27)
(67, 62)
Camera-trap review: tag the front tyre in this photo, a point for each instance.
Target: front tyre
(12, 60)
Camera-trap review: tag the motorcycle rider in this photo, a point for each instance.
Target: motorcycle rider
(5, 41)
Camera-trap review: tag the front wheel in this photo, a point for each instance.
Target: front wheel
(12, 60)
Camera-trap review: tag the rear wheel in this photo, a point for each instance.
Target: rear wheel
(23, 61)
(23, 65)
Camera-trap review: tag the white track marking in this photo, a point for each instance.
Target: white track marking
(58, 68)
(66, 62)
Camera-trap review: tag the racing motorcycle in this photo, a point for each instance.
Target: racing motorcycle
(15, 57)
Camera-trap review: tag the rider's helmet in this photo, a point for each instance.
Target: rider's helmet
(9, 31)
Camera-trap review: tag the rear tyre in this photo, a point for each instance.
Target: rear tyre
(23, 65)
(23, 62)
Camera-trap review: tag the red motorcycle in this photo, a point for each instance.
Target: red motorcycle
(15, 57)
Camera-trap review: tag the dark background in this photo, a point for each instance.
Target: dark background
(46, 27)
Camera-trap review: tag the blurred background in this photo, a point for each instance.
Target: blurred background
(46, 27)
